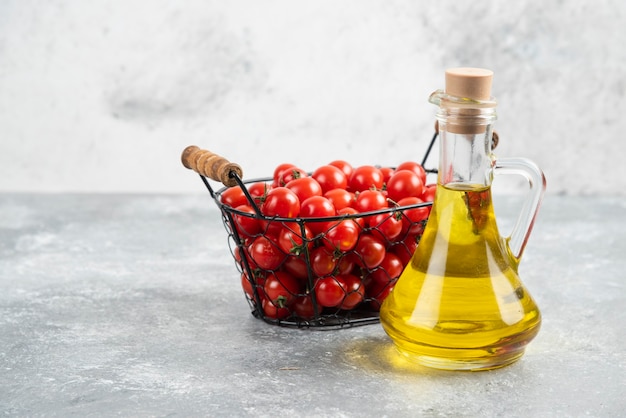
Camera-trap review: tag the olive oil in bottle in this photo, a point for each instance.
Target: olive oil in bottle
(460, 304)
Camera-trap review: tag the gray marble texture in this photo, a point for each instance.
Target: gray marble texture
(104, 95)
(130, 305)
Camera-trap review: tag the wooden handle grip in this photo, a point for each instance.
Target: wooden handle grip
(210, 165)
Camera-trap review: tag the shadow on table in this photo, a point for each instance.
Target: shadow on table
(379, 354)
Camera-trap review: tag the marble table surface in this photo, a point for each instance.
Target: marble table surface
(130, 305)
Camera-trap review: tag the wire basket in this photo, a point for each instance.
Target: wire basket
(364, 285)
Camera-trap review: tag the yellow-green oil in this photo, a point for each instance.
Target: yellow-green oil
(459, 304)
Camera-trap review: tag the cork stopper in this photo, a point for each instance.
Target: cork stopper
(469, 83)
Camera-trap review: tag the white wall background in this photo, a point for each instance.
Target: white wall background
(104, 95)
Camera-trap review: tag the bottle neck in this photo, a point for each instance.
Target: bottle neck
(465, 137)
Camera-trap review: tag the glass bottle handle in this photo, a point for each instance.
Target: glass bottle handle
(521, 231)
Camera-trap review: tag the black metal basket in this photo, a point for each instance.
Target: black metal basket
(374, 285)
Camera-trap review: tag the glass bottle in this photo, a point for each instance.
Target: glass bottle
(460, 304)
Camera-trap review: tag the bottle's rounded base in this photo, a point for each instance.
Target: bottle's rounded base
(487, 362)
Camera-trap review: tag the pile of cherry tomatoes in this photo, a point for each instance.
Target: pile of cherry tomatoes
(326, 242)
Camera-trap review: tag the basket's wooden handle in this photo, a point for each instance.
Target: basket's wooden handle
(210, 165)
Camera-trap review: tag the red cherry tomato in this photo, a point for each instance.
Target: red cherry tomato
(344, 166)
(296, 266)
(272, 311)
(414, 167)
(401, 251)
(330, 291)
(281, 288)
(429, 193)
(317, 207)
(265, 253)
(290, 174)
(247, 226)
(389, 270)
(387, 173)
(386, 226)
(370, 250)
(323, 261)
(304, 307)
(355, 292)
(378, 293)
(233, 197)
(330, 177)
(364, 178)
(411, 242)
(412, 218)
(279, 170)
(404, 183)
(346, 264)
(258, 191)
(238, 253)
(340, 198)
(370, 200)
(360, 220)
(304, 187)
(405, 248)
(342, 236)
(281, 202)
(247, 286)
(271, 229)
(291, 240)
